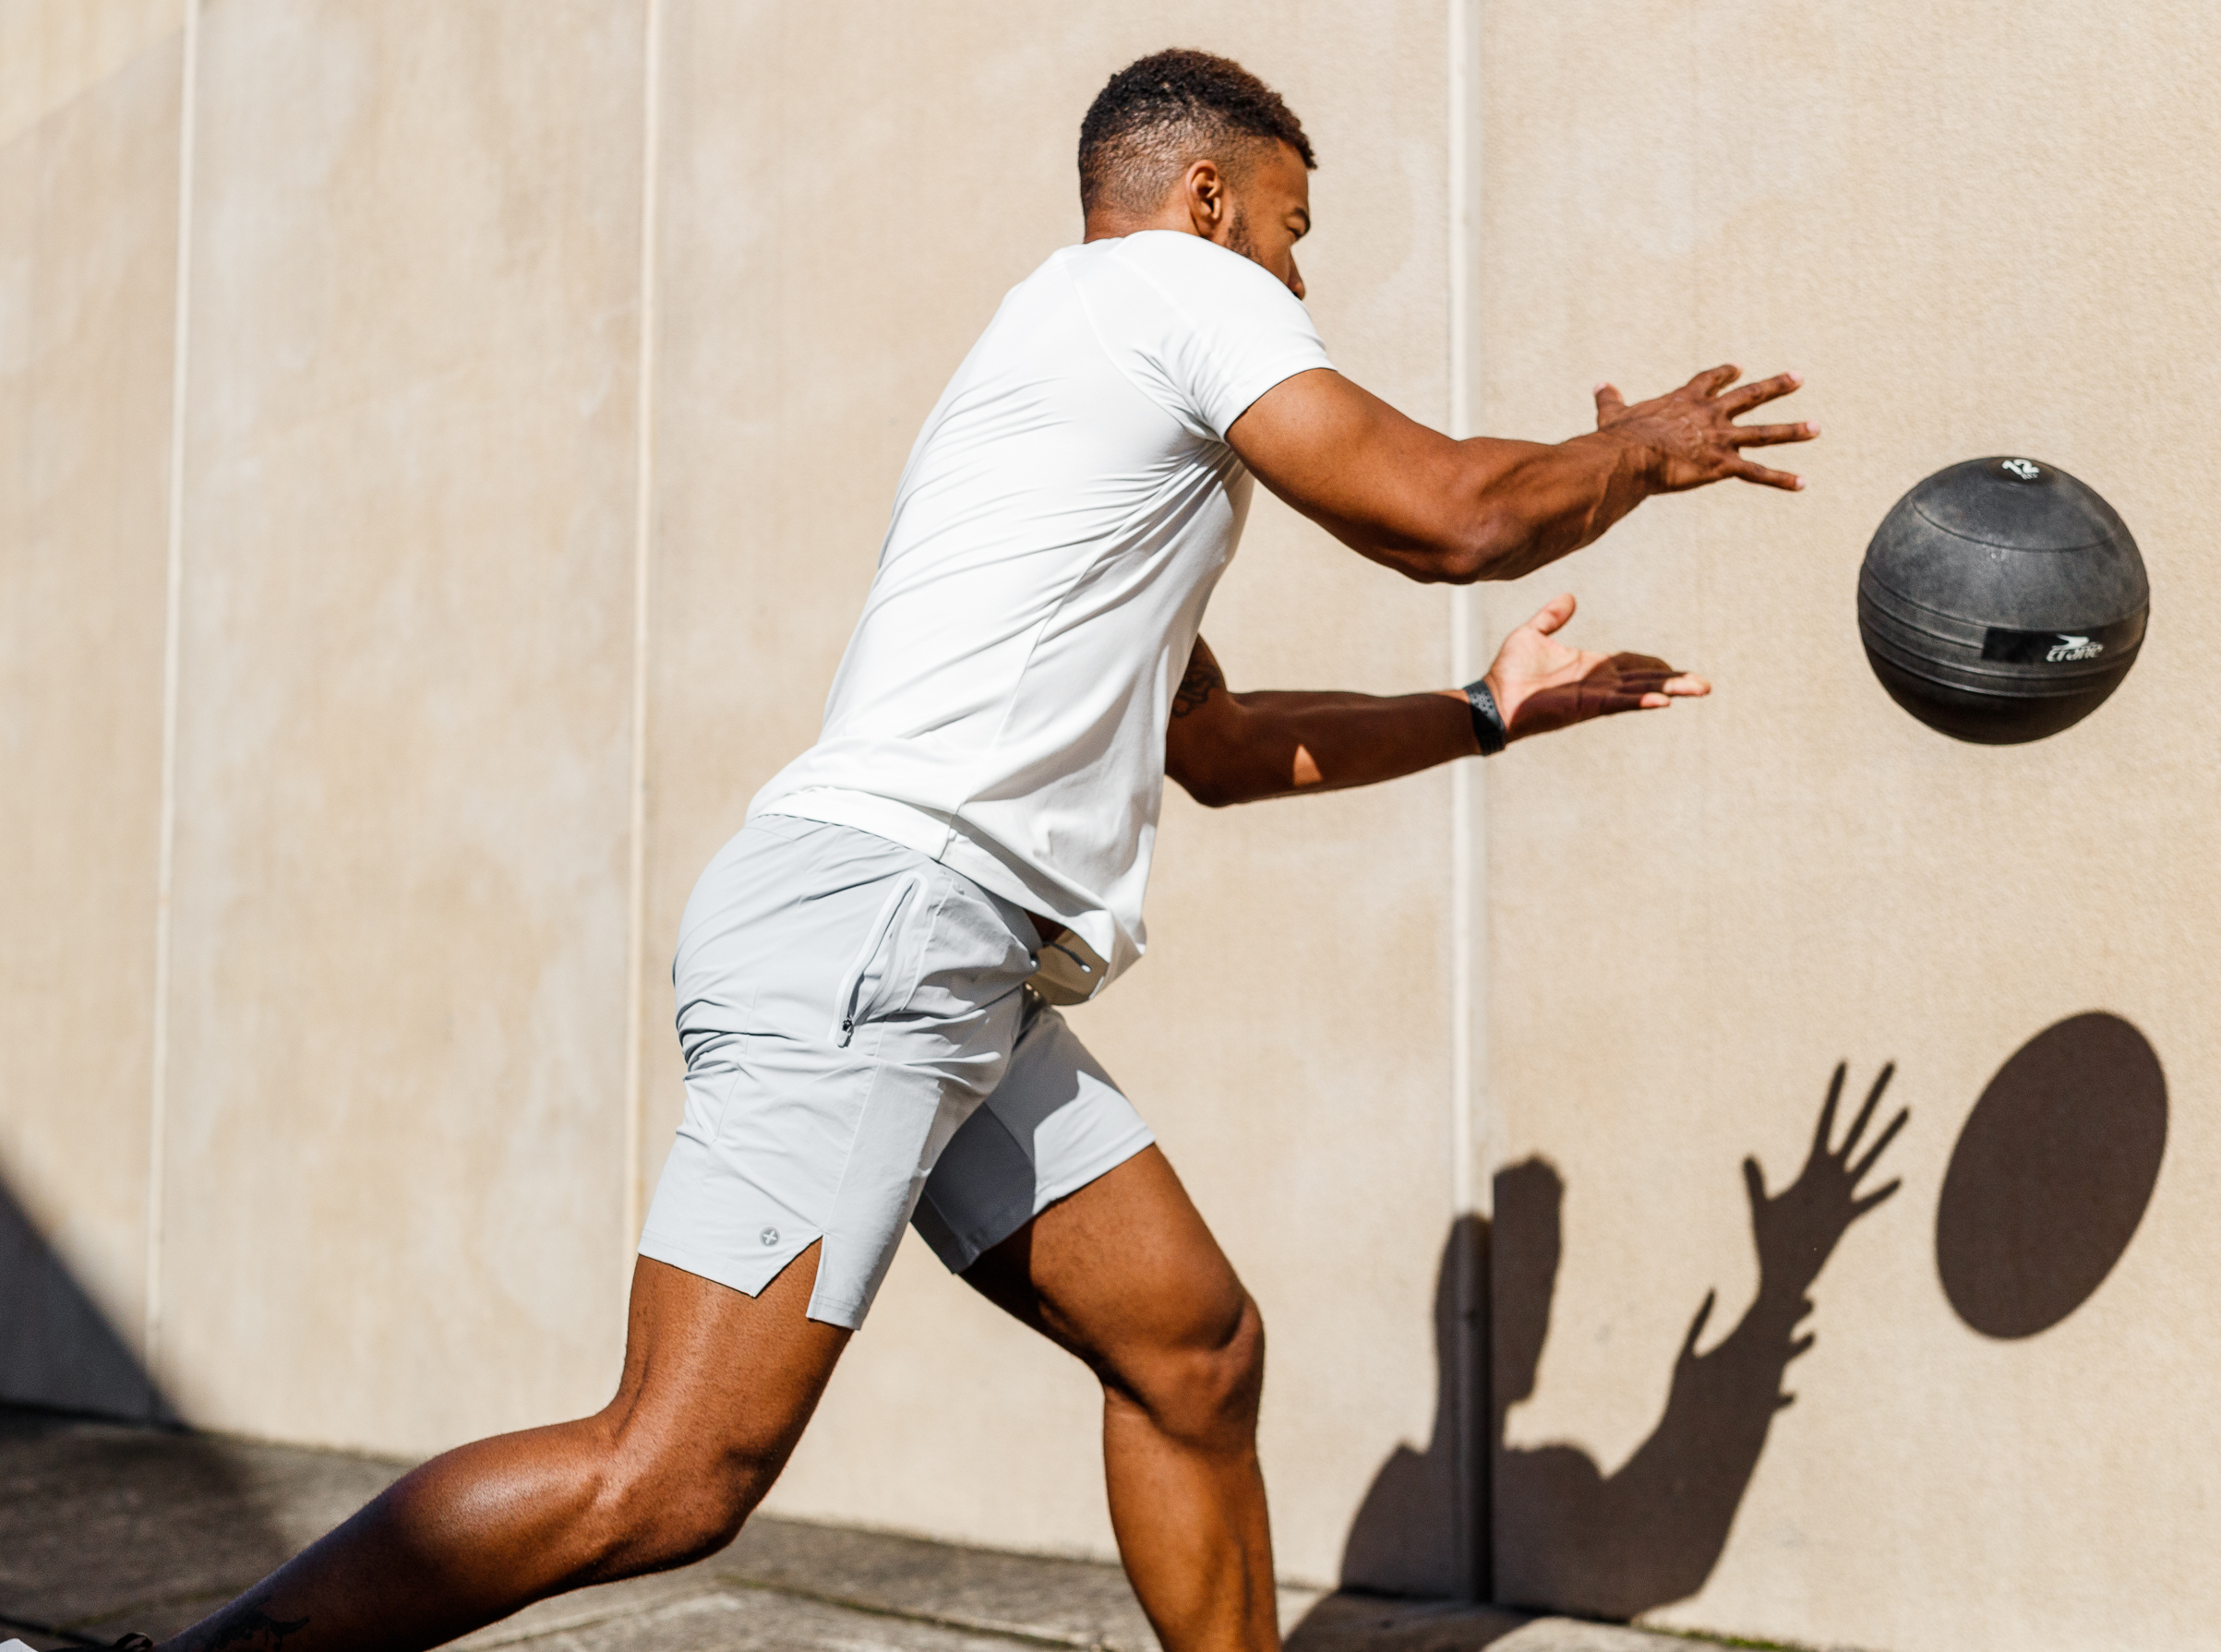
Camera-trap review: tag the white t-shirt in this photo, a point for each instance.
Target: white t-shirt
(1065, 513)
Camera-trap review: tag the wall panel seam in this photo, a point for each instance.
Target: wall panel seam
(1466, 1405)
(158, 1098)
(642, 546)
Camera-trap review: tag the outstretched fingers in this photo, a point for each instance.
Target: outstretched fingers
(1656, 696)
(1865, 1113)
(1713, 380)
(1859, 1207)
(1825, 1130)
(1784, 480)
(1610, 404)
(1735, 403)
(1704, 1311)
(1646, 682)
(1770, 435)
(1553, 615)
(1613, 701)
(1880, 1145)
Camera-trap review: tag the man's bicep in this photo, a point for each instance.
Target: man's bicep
(1371, 477)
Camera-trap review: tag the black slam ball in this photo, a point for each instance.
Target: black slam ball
(2001, 600)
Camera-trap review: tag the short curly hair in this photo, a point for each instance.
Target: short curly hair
(1160, 114)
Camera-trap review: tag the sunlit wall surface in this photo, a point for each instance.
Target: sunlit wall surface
(443, 448)
(1977, 229)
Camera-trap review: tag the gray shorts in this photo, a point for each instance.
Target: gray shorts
(861, 1052)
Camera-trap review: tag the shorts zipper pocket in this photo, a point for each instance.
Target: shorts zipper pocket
(849, 1003)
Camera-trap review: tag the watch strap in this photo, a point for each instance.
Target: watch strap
(1488, 721)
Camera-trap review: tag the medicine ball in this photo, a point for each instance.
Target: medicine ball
(2001, 600)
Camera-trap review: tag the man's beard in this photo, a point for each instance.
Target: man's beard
(1237, 233)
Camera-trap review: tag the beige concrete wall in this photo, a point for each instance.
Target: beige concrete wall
(89, 140)
(396, 1086)
(447, 419)
(1977, 229)
(403, 1123)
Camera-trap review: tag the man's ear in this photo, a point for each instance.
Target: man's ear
(1204, 185)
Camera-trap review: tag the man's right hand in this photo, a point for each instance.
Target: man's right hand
(1437, 510)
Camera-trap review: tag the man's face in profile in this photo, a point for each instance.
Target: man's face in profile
(1270, 211)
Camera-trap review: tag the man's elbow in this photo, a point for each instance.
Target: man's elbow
(1467, 554)
(1469, 562)
(1499, 545)
(1210, 790)
(1465, 560)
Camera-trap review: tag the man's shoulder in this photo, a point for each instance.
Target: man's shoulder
(1160, 281)
(1177, 257)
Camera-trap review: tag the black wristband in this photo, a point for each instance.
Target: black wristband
(1488, 721)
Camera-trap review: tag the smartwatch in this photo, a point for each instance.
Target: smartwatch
(1488, 721)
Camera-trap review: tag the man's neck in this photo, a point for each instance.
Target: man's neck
(1111, 226)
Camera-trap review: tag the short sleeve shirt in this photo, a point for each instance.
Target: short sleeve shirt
(1064, 516)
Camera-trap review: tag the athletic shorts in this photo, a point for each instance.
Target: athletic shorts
(861, 1051)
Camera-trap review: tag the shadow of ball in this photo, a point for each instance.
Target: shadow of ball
(2051, 1176)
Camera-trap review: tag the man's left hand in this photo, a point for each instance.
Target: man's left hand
(1541, 684)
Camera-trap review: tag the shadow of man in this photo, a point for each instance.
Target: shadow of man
(1567, 1537)
(1574, 1539)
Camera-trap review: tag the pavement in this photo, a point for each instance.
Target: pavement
(106, 1527)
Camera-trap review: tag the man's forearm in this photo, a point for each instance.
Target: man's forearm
(1528, 506)
(1437, 510)
(1496, 510)
(1275, 743)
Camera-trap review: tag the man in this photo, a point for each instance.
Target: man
(865, 973)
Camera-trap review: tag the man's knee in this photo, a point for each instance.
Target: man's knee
(1203, 1387)
(669, 1501)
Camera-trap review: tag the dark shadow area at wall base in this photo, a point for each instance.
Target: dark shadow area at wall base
(107, 1528)
(57, 1347)
(1353, 1621)
(107, 1524)
(1421, 1530)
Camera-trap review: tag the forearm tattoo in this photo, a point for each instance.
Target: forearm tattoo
(1204, 679)
(248, 1626)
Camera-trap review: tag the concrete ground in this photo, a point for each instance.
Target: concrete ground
(106, 1528)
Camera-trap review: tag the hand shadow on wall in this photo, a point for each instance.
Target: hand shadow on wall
(1567, 1536)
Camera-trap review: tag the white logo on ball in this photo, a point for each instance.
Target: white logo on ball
(2027, 470)
(2072, 648)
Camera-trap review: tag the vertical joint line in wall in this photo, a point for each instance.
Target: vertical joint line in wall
(1464, 665)
(644, 513)
(165, 856)
(1469, 1055)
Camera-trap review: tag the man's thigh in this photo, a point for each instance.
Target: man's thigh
(844, 1004)
(718, 1383)
(1124, 1273)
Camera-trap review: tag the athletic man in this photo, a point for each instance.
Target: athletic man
(865, 973)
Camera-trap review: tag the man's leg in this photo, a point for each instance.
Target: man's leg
(716, 1388)
(1124, 1273)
